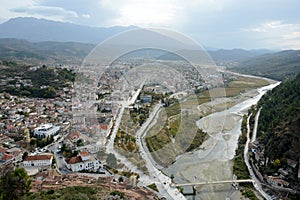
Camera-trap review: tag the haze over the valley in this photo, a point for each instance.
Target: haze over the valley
(218, 24)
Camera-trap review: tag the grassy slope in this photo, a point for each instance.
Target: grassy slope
(74, 193)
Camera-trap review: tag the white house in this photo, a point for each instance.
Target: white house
(38, 160)
(84, 161)
(46, 130)
(277, 181)
(146, 98)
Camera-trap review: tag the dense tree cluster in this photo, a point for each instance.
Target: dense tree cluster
(279, 120)
(14, 184)
(111, 160)
(279, 127)
(44, 81)
(139, 115)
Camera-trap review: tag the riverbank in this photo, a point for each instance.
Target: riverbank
(176, 131)
(213, 160)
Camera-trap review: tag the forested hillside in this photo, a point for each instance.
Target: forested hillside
(24, 51)
(24, 80)
(280, 65)
(279, 121)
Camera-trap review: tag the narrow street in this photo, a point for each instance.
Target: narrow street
(256, 184)
(254, 132)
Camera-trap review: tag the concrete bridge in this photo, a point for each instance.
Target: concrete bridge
(212, 182)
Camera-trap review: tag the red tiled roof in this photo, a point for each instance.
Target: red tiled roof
(38, 157)
(103, 126)
(3, 150)
(7, 157)
(84, 153)
(74, 160)
(74, 135)
(9, 126)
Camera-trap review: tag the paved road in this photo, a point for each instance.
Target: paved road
(256, 183)
(110, 145)
(213, 182)
(162, 181)
(254, 132)
(110, 148)
(60, 163)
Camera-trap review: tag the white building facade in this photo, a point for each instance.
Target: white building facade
(38, 160)
(83, 162)
(46, 130)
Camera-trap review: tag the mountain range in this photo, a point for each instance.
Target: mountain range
(37, 30)
(33, 40)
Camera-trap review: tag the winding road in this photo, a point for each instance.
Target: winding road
(256, 182)
(254, 132)
(162, 181)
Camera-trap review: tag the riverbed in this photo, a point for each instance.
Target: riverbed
(213, 160)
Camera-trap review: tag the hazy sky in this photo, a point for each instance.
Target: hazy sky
(250, 24)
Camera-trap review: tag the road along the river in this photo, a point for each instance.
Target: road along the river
(212, 161)
(256, 183)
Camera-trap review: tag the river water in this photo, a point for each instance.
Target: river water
(213, 160)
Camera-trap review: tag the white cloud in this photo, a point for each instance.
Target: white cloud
(257, 30)
(171, 13)
(46, 11)
(292, 35)
(7, 5)
(32, 8)
(86, 16)
(278, 34)
(143, 13)
(268, 26)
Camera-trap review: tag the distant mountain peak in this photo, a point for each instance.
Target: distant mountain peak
(40, 29)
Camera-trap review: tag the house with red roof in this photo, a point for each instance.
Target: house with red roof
(84, 161)
(7, 157)
(38, 160)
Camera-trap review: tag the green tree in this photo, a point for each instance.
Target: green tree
(172, 177)
(180, 189)
(49, 92)
(111, 160)
(25, 154)
(33, 142)
(79, 143)
(14, 184)
(276, 162)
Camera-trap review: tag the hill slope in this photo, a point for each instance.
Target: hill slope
(279, 128)
(279, 121)
(224, 56)
(280, 65)
(22, 50)
(221, 56)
